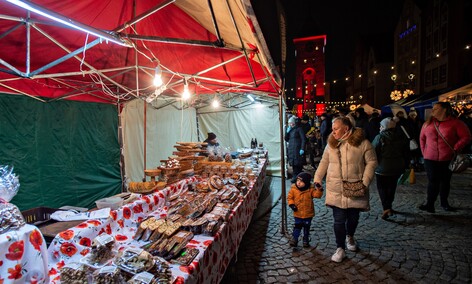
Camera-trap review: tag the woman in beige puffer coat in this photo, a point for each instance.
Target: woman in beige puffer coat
(349, 150)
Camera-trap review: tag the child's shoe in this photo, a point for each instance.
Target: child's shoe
(293, 242)
(306, 244)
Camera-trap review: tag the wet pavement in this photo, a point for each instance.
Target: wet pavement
(410, 247)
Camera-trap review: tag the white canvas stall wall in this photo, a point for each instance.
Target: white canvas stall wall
(235, 128)
(164, 127)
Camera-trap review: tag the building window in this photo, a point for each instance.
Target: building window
(427, 79)
(443, 73)
(435, 76)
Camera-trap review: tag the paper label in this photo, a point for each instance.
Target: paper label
(135, 250)
(73, 265)
(144, 277)
(104, 239)
(108, 269)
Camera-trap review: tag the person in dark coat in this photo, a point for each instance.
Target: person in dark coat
(392, 149)
(373, 126)
(305, 125)
(415, 123)
(362, 119)
(325, 129)
(296, 143)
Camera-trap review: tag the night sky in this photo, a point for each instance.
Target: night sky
(342, 22)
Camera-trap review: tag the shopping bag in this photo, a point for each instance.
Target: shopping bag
(405, 177)
(412, 176)
(413, 145)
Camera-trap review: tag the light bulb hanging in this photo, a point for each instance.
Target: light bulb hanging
(186, 93)
(158, 77)
(215, 103)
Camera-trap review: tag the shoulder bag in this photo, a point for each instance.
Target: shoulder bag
(459, 162)
(413, 144)
(351, 189)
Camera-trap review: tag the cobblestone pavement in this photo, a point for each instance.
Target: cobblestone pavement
(411, 247)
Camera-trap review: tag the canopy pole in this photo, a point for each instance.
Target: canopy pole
(242, 44)
(282, 162)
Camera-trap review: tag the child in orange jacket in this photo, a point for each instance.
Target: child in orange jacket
(300, 200)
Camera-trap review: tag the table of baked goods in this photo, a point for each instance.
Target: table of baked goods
(212, 252)
(23, 256)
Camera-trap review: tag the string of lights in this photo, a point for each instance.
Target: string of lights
(376, 72)
(321, 102)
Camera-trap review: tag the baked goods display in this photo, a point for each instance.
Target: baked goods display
(186, 256)
(142, 187)
(199, 206)
(134, 260)
(108, 274)
(74, 273)
(101, 251)
(216, 182)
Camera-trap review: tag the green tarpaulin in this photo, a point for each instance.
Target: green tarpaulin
(64, 152)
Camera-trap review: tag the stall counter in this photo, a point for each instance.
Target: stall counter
(215, 252)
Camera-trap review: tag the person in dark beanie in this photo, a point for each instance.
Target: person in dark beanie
(211, 140)
(300, 200)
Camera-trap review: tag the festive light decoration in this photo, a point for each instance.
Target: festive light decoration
(396, 95)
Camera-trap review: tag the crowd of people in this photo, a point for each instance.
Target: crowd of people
(356, 148)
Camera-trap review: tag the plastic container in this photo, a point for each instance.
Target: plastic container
(38, 215)
(110, 202)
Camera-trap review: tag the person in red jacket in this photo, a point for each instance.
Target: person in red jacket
(300, 200)
(441, 129)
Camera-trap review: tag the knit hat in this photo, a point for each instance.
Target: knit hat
(306, 178)
(387, 123)
(292, 119)
(211, 136)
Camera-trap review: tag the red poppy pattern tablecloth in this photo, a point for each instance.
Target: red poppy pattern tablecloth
(23, 256)
(215, 252)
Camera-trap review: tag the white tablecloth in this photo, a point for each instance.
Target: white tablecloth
(23, 256)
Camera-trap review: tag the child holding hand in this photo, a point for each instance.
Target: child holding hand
(300, 200)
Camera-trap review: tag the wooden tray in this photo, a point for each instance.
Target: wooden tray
(193, 144)
(215, 163)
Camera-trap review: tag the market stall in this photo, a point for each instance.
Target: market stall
(215, 251)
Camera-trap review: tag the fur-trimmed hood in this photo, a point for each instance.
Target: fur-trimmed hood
(355, 139)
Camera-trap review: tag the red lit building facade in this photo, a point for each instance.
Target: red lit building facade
(310, 75)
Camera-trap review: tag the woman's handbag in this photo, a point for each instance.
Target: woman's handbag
(352, 189)
(459, 162)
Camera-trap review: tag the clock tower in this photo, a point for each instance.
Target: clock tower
(310, 75)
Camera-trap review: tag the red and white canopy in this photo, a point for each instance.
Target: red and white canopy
(217, 47)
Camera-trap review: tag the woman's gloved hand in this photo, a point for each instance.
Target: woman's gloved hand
(301, 152)
(294, 207)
